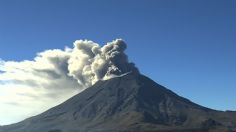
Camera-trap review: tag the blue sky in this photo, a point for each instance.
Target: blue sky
(187, 46)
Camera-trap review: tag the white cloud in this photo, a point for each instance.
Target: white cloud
(31, 87)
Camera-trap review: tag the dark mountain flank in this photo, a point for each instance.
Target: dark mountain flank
(129, 103)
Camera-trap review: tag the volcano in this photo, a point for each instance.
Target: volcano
(128, 103)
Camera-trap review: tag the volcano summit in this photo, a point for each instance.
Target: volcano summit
(116, 97)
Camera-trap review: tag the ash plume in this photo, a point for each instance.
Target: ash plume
(89, 62)
(56, 75)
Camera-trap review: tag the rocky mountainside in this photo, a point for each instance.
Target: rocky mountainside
(130, 103)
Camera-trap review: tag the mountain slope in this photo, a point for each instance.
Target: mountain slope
(128, 103)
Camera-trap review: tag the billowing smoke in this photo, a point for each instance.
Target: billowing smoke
(89, 62)
(55, 75)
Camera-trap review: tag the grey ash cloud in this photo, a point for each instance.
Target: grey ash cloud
(89, 62)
